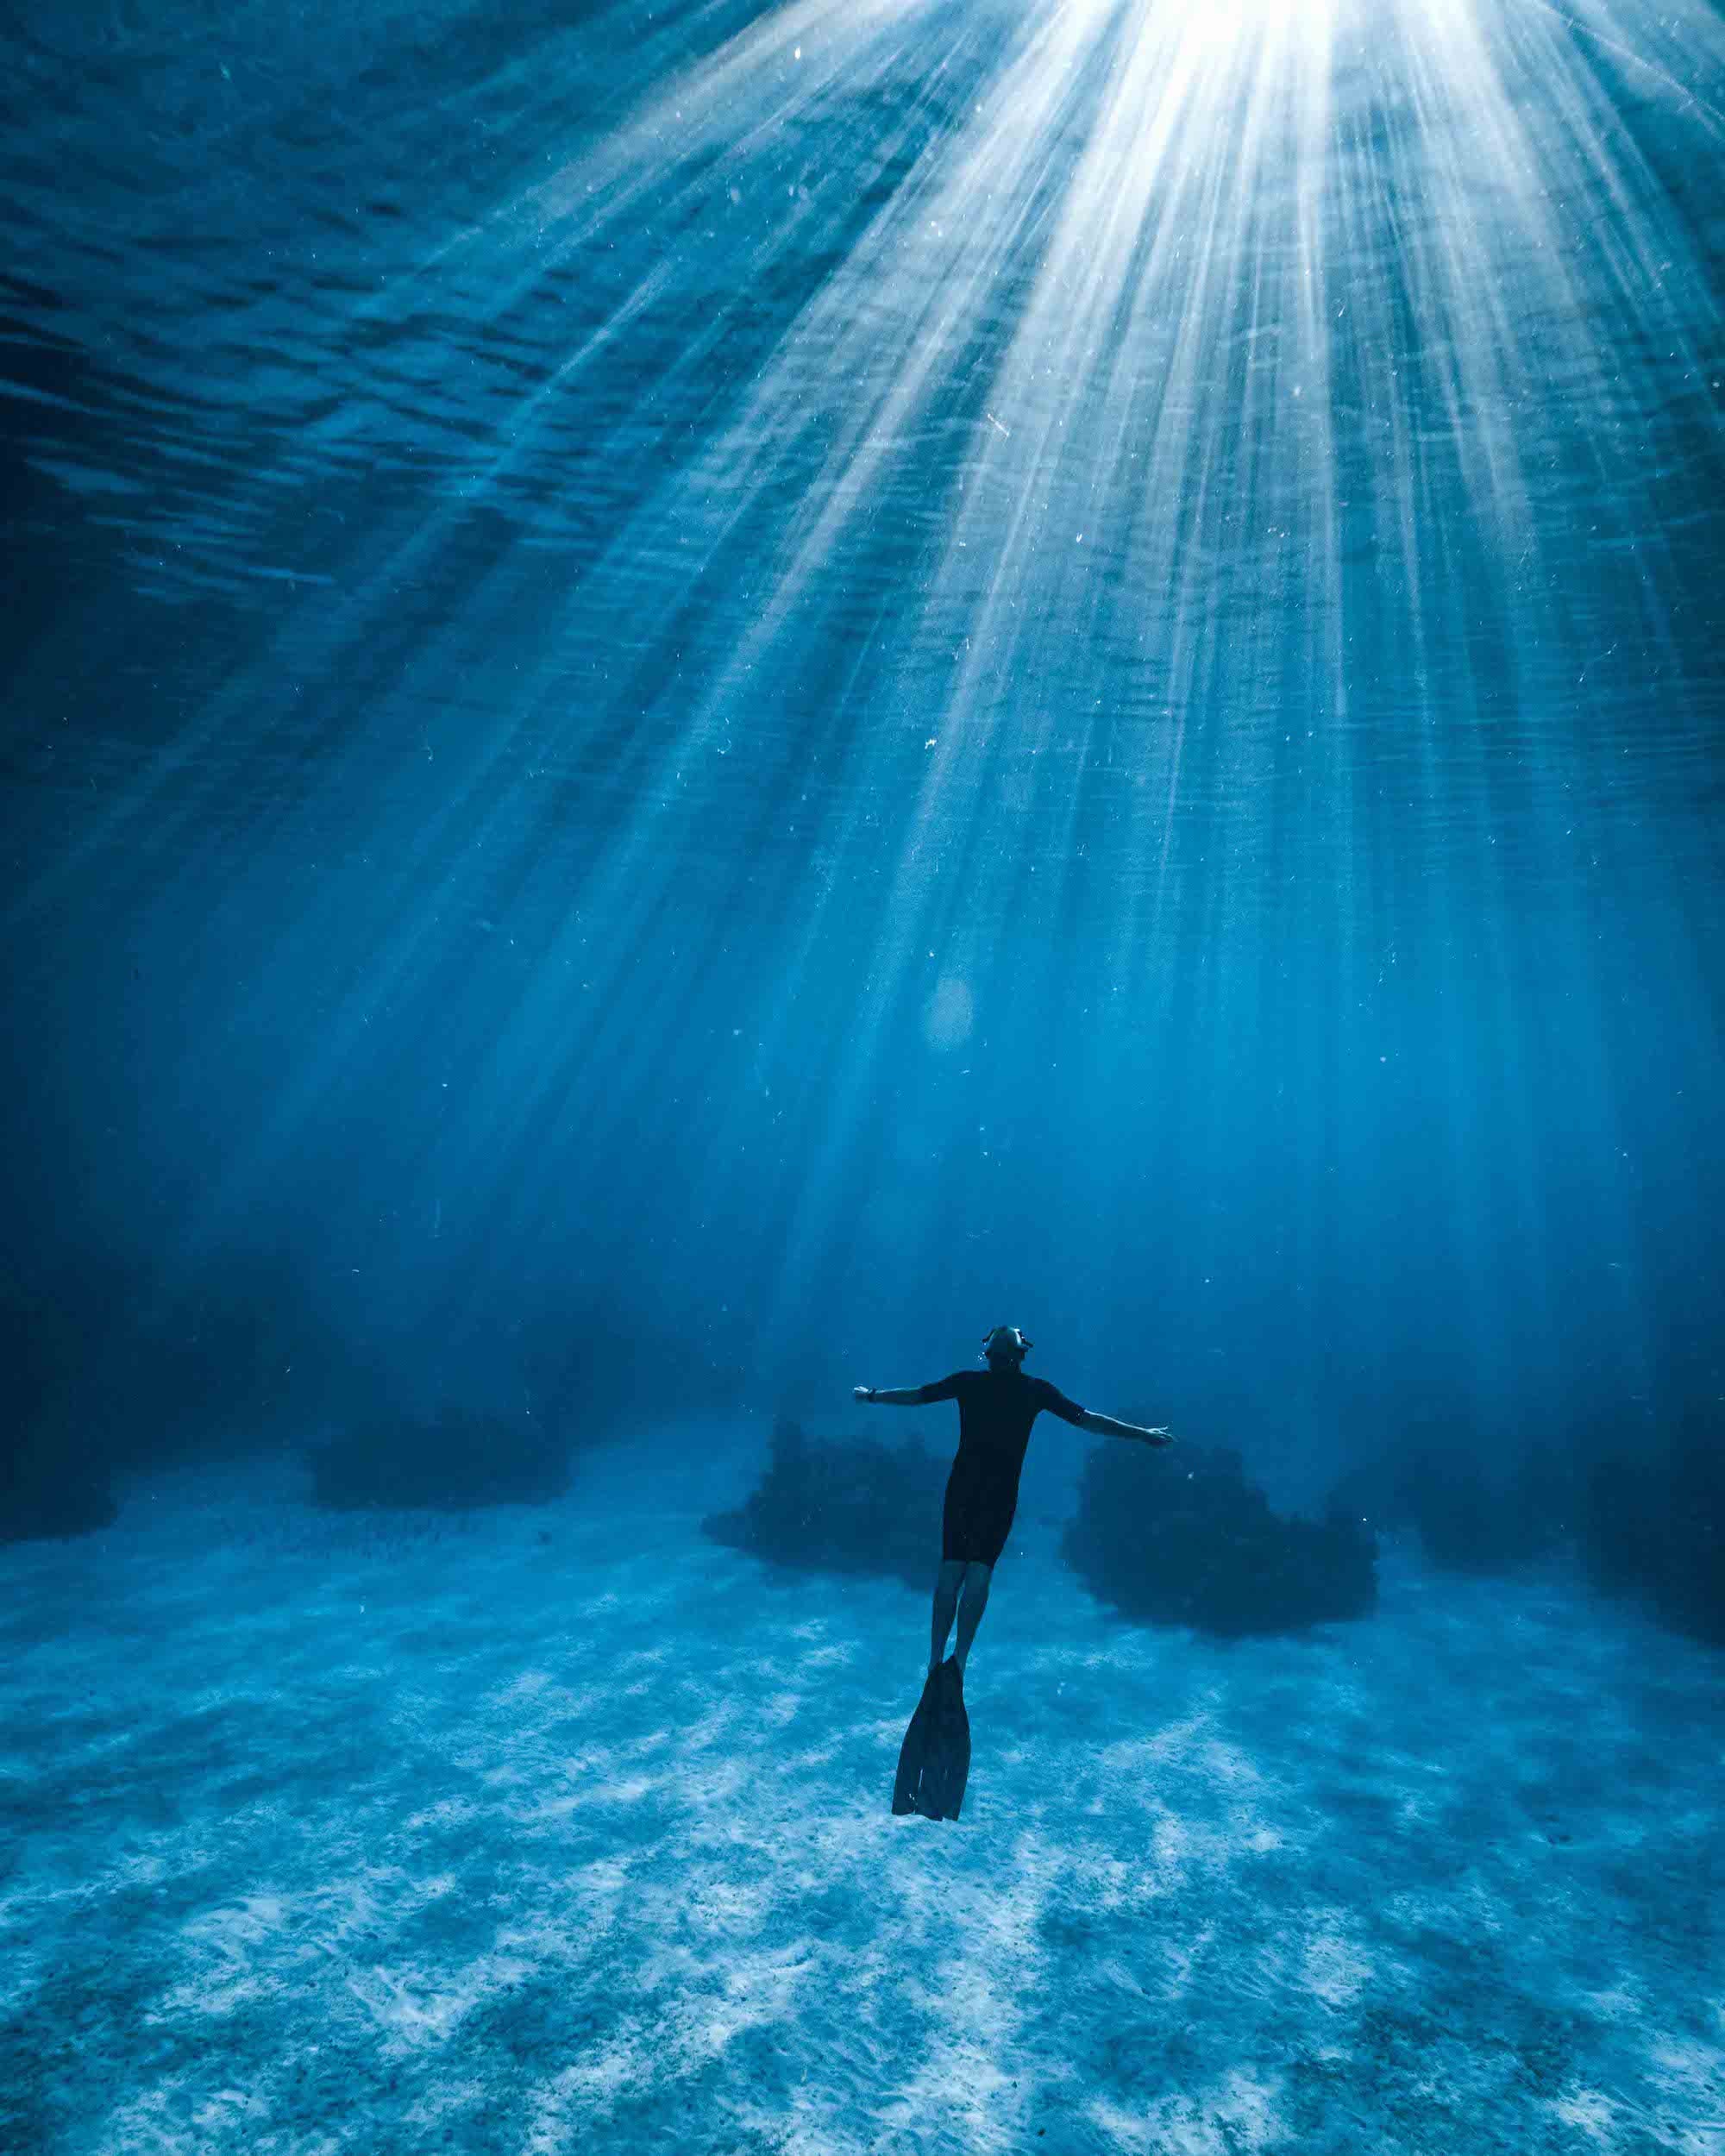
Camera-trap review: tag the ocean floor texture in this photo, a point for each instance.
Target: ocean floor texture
(568, 1830)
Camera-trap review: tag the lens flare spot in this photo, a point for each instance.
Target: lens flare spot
(950, 1014)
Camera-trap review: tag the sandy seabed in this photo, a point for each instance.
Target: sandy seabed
(568, 1830)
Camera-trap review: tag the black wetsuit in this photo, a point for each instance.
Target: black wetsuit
(996, 1409)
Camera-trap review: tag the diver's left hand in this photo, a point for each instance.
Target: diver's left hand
(862, 1392)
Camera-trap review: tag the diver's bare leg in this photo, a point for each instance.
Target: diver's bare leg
(973, 1601)
(946, 1603)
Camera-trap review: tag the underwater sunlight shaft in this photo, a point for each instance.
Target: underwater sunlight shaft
(904, 525)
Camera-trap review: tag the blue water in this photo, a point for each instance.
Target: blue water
(698, 697)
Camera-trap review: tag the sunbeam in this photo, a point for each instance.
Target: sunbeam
(868, 548)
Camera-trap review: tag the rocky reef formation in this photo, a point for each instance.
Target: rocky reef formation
(841, 1505)
(1183, 1538)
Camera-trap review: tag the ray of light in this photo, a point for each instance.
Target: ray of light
(1181, 309)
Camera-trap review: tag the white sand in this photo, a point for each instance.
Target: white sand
(569, 1830)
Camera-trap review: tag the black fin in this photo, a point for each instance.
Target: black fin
(934, 1761)
(914, 1752)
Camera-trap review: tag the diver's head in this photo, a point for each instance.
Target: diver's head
(1006, 1347)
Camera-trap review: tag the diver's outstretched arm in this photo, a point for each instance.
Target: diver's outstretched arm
(887, 1396)
(1106, 1427)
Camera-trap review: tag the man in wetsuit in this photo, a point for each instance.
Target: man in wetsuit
(996, 1408)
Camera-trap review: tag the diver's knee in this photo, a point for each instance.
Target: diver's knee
(976, 1579)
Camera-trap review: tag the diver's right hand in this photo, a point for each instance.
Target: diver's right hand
(862, 1392)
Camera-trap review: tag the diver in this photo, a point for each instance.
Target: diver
(996, 1408)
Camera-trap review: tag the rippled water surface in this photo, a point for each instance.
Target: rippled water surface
(1289, 432)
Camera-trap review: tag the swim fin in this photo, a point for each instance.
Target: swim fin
(934, 1761)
